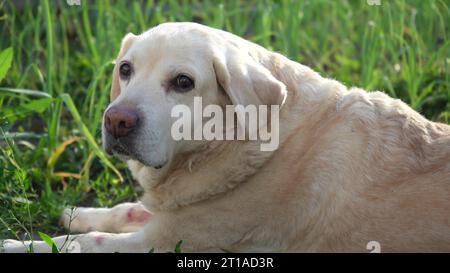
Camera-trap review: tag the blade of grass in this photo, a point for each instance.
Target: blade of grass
(87, 134)
(49, 32)
(28, 92)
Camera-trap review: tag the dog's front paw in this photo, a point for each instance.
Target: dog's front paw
(13, 246)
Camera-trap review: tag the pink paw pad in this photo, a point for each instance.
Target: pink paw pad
(140, 216)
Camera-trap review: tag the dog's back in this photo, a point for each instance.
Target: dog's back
(409, 196)
(384, 173)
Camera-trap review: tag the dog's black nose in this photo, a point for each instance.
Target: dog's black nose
(120, 121)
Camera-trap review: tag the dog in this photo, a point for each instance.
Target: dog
(352, 169)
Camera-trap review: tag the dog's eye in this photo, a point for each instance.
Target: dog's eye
(125, 71)
(183, 83)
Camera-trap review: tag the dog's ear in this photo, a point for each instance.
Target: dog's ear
(245, 81)
(115, 86)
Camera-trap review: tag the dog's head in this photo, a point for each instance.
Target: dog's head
(167, 66)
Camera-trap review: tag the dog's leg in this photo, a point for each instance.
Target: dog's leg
(89, 242)
(162, 234)
(126, 217)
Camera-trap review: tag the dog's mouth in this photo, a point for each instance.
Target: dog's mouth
(124, 154)
(119, 150)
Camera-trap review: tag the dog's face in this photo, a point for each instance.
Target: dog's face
(167, 66)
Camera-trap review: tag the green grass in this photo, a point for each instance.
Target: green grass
(52, 97)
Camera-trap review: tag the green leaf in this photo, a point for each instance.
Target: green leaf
(178, 247)
(5, 61)
(38, 105)
(49, 241)
(54, 249)
(20, 111)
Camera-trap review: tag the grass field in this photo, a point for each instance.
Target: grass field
(54, 93)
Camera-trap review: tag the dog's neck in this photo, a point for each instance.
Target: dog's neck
(190, 178)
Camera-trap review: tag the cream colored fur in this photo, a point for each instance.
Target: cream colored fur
(352, 167)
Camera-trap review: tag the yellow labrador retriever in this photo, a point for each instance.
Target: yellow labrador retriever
(353, 170)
